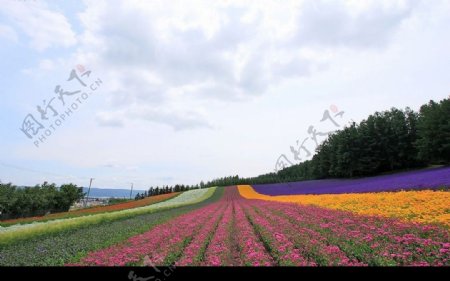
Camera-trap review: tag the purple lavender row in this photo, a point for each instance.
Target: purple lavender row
(413, 180)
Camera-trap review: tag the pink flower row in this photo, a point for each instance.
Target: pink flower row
(282, 248)
(233, 243)
(155, 244)
(252, 251)
(311, 244)
(219, 248)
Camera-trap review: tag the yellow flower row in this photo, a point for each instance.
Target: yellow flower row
(424, 206)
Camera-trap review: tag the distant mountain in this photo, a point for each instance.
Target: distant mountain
(109, 192)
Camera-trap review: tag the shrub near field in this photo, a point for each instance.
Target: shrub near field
(36, 201)
(95, 210)
(21, 232)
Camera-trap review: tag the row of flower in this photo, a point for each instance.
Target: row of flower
(25, 231)
(424, 206)
(237, 231)
(432, 178)
(94, 210)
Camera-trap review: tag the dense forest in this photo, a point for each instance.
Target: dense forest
(384, 142)
(18, 202)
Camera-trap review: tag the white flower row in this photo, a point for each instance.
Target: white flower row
(185, 198)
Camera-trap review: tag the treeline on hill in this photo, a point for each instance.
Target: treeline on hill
(153, 191)
(16, 202)
(385, 141)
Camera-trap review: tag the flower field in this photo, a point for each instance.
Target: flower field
(236, 226)
(239, 231)
(94, 210)
(414, 180)
(25, 231)
(424, 206)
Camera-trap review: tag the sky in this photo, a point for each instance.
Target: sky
(165, 92)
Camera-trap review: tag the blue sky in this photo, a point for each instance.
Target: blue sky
(209, 90)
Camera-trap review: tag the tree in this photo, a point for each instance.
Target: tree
(433, 128)
(38, 200)
(69, 194)
(8, 198)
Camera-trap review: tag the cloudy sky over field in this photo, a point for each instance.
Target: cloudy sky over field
(202, 90)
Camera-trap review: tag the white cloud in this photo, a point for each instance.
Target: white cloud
(207, 51)
(179, 120)
(44, 27)
(365, 24)
(8, 33)
(227, 50)
(45, 67)
(106, 119)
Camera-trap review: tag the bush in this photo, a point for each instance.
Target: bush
(39, 200)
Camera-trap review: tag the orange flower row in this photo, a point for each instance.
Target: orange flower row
(425, 206)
